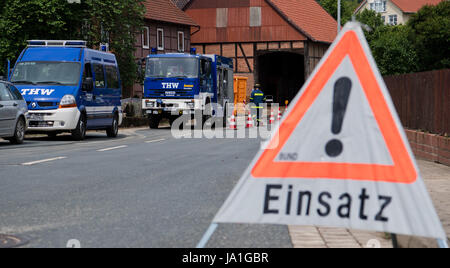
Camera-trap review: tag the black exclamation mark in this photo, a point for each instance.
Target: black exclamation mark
(342, 89)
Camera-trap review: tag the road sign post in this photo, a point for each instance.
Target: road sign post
(339, 15)
(207, 236)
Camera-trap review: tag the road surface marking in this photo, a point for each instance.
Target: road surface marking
(155, 141)
(112, 148)
(43, 161)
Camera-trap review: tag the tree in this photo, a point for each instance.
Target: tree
(370, 18)
(33, 19)
(97, 21)
(391, 49)
(117, 23)
(373, 20)
(347, 8)
(422, 45)
(393, 52)
(430, 35)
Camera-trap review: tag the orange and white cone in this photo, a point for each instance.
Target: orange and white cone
(272, 117)
(250, 122)
(279, 114)
(233, 124)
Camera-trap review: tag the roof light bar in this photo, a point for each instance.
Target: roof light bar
(57, 43)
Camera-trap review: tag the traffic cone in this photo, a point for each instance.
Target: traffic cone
(250, 122)
(279, 114)
(233, 124)
(272, 117)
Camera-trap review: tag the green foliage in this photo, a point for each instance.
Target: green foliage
(390, 46)
(421, 45)
(57, 19)
(347, 8)
(430, 35)
(392, 50)
(373, 20)
(370, 18)
(33, 19)
(121, 20)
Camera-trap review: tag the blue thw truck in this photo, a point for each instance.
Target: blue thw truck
(179, 84)
(69, 88)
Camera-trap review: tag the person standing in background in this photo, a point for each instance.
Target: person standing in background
(257, 100)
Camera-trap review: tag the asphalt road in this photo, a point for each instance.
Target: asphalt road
(143, 189)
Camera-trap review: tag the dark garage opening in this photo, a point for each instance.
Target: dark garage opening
(281, 74)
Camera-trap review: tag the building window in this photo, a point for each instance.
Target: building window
(378, 6)
(393, 20)
(181, 41)
(383, 18)
(146, 38)
(160, 38)
(222, 17)
(255, 16)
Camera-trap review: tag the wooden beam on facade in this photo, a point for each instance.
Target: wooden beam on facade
(246, 59)
(306, 61)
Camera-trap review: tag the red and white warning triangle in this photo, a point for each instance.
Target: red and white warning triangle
(340, 156)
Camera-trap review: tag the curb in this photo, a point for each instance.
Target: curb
(416, 242)
(130, 122)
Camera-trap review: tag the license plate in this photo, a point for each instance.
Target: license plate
(170, 93)
(36, 117)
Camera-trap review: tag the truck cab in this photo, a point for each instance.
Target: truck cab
(184, 84)
(69, 88)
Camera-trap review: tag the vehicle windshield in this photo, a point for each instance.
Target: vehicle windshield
(172, 67)
(52, 73)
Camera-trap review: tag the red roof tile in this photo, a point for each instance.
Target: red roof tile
(412, 6)
(308, 17)
(167, 11)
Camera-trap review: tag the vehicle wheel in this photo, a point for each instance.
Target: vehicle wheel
(113, 130)
(153, 122)
(79, 133)
(19, 132)
(174, 118)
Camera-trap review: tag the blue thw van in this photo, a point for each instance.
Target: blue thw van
(69, 88)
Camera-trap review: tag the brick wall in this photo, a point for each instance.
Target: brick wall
(430, 147)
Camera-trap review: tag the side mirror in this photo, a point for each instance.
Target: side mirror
(88, 84)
